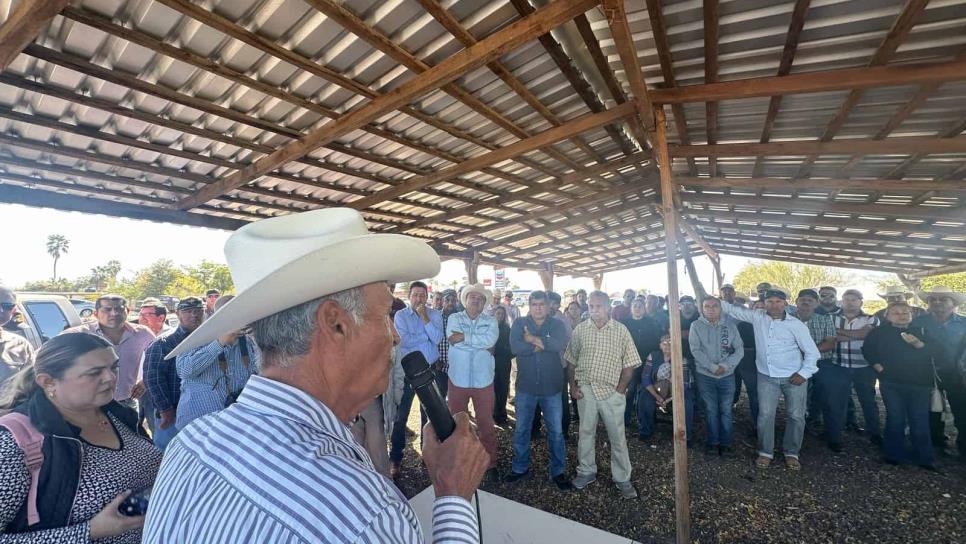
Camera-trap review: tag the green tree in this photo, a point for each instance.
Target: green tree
(209, 275)
(57, 246)
(105, 275)
(792, 277)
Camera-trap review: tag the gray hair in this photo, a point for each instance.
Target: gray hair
(599, 294)
(287, 335)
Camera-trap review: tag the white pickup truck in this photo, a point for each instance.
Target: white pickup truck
(43, 317)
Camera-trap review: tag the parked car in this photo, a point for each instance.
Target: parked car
(85, 308)
(42, 317)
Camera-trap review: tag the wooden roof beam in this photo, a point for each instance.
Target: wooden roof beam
(581, 124)
(556, 245)
(822, 206)
(621, 32)
(901, 27)
(711, 76)
(659, 31)
(951, 269)
(22, 26)
(792, 233)
(490, 48)
(784, 68)
(813, 183)
(786, 219)
(889, 146)
(816, 82)
(832, 260)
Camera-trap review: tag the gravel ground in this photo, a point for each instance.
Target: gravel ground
(847, 498)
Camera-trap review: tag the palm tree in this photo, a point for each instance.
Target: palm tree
(57, 245)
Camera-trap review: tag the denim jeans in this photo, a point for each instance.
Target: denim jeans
(161, 437)
(717, 394)
(838, 391)
(565, 401)
(398, 439)
(796, 396)
(526, 405)
(647, 411)
(907, 404)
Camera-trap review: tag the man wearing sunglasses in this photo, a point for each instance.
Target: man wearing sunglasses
(129, 340)
(15, 351)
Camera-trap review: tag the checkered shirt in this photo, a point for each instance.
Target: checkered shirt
(600, 354)
(821, 327)
(848, 354)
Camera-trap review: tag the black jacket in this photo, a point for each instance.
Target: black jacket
(63, 452)
(901, 362)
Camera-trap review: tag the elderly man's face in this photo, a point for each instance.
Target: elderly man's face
(597, 308)
(449, 303)
(369, 356)
(149, 317)
(851, 303)
(941, 306)
(711, 309)
(475, 303)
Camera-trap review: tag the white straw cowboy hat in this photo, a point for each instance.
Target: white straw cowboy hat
(284, 261)
(896, 291)
(476, 288)
(942, 290)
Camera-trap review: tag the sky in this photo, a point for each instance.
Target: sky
(96, 239)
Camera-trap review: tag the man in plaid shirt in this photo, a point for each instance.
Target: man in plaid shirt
(849, 369)
(822, 330)
(161, 376)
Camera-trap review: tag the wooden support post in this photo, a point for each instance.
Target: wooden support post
(598, 281)
(682, 498)
(472, 268)
(23, 26)
(546, 276)
(718, 275)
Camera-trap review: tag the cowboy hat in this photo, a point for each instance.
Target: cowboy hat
(284, 261)
(942, 290)
(476, 288)
(895, 291)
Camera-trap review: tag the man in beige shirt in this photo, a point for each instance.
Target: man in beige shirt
(15, 351)
(602, 358)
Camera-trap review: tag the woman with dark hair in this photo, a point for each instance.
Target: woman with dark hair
(504, 363)
(574, 314)
(655, 392)
(93, 451)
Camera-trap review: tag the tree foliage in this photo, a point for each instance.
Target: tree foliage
(788, 276)
(57, 246)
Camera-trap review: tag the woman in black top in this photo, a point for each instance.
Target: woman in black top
(902, 357)
(504, 358)
(94, 452)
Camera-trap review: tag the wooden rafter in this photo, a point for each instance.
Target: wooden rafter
(484, 51)
(659, 30)
(816, 82)
(823, 206)
(793, 233)
(903, 24)
(784, 68)
(621, 32)
(864, 146)
(782, 218)
(711, 76)
(829, 183)
(22, 26)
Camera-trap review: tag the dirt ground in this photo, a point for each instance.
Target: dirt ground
(834, 498)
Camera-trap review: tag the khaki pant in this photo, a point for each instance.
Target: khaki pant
(370, 432)
(611, 411)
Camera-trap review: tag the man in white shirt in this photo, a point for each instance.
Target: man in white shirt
(786, 357)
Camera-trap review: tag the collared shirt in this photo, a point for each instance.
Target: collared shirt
(600, 354)
(130, 351)
(949, 337)
(821, 327)
(848, 353)
(568, 329)
(539, 372)
(278, 466)
(471, 365)
(161, 376)
(414, 335)
(782, 346)
(15, 353)
(205, 385)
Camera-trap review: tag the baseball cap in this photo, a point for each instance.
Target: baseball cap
(808, 293)
(775, 293)
(190, 303)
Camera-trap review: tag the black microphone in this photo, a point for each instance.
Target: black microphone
(423, 381)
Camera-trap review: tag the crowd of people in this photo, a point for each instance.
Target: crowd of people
(247, 400)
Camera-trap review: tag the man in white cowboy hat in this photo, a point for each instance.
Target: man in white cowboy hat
(280, 465)
(893, 294)
(472, 335)
(947, 332)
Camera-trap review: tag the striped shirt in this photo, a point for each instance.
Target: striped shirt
(205, 385)
(600, 354)
(848, 354)
(278, 466)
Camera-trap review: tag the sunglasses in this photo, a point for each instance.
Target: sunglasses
(7, 306)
